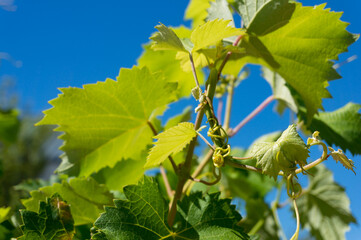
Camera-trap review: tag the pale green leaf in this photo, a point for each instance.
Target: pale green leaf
(280, 91)
(341, 127)
(84, 195)
(107, 122)
(248, 9)
(172, 141)
(4, 212)
(324, 207)
(277, 36)
(143, 215)
(53, 221)
(197, 11)
(220, 10)
(212, 32)
(126, 172)
(166, 39)
(166, 62)
(284, 154)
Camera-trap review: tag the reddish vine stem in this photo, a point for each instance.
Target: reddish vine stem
(174, 165)
(252, 115)
(225, 60)
(219, 110)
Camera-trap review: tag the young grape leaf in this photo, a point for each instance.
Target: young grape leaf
(143, 215)
(9, 126)
(341, 127)
(339, 156)
(166, 39)
(283, 154)
(281, 30)
(173, 140)
(212, 32)
(107, 122)
(84, 195)
(166, 62)
(197, 11)
(248, 9)
(324, 206)
(54, 221)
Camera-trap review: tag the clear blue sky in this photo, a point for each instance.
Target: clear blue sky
(70, 43)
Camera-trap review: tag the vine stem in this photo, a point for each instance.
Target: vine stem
(184, 172)
(174, 165)
(308, 166)
(252, 115)
(242, 166)
(166, 182)
(199, 168)
(219, 110)
(206, 141)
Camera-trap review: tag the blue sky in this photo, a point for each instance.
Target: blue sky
(69, 43)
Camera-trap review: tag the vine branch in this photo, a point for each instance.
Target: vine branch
(252, 115)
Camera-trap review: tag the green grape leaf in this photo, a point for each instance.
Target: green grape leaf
(166, 39)
(220, 10)
(126, 172)
(280, 91)
(341, 127)
(53, 221)
(166, 62)
(107, 122)
(209, 217)
(197, 11)
(84, 195)
(281, 30)
(284, 154)
(172, 141)
(324, 206)
(212, 32)
(9, 126)
(4, 213)
(183, 117)
(248, 9)
(143, 215)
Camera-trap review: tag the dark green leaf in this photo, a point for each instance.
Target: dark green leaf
(144, 216)
(341, 127)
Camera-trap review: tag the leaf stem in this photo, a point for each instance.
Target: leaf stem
(252, 115)
(206, 141)
(174, 165)
(184, 172)
(225, 60)
(199, 168)
(242, 166)
(166, 182)
(194, 70)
